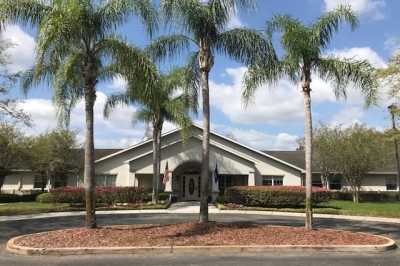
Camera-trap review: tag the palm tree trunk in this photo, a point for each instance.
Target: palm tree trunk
(90, 200)
(308, 153)
(203, 217)
(156, 171)
(396, 152)
(158, 158)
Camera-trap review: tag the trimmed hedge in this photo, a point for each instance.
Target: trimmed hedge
(105, 195)
(8, 198)
(273, 196)
(367, 196)
(45, 198)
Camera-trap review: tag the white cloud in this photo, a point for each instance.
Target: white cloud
(283, 102)
(361, 53)
(21, 54)
(118, 84)
(258, 139)
(118, 131)
(347, 116)
(270, 105)
(392, 44)
(235, 22)
(372, 8)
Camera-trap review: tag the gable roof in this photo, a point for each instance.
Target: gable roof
(294, 157)
(269, 156)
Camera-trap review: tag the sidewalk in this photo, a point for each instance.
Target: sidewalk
(193, 208)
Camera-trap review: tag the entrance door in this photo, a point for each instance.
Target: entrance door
(191, 187)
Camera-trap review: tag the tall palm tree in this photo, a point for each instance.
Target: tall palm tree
(204, 32)
(389, 76)
(77, 48)
(304, 57)
(166, 99)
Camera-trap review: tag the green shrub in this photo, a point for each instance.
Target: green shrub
(276, 196)
(104, 195)
(220, 199)
(8, 198)
(367, 196)
(164, 196)
(45, 198)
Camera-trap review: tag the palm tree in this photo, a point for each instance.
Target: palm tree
(165, 100)
(389, 77)
(304, 46)
(204, 28)
(77, 48)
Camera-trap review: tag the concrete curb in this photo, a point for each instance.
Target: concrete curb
(214, 211)
(195, 250)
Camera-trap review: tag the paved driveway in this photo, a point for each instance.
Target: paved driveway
(14, 228)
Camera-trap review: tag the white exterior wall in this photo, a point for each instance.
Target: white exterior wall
(372, 183)
(231, 158)
(191, 151)
(18, 182)
(136, 163)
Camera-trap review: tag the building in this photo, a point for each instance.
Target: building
(237, 164)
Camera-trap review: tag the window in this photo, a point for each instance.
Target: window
(317, 183)
(39, 182)
(335, 185)
(270, 180)
(267, 181)
(226, 181)
(278, 181)
(391, 183)
(60, 181)
(105, 180)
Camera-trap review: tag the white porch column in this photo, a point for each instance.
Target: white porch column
(168, 184)
(133, 182)
(251, 179)
(48, 185)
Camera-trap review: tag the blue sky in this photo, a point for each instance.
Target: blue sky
(275, 119)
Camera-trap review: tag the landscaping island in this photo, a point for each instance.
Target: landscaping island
(183, 235)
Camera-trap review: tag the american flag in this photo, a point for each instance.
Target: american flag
(167, 174)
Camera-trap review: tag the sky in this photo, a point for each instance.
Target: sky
(274, 119)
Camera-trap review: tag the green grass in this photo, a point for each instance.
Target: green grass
(20, 208)
(381, 209)
(341, 207)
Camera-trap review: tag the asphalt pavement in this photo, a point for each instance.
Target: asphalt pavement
(13, 228)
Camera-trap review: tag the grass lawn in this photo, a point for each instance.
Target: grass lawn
(381, 209)
(20, 208)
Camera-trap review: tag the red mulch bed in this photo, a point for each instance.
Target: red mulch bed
(194, 234)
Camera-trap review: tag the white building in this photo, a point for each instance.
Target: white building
(238, 164)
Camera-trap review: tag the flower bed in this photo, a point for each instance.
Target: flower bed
(104, 195)
(194, 234)
(273, 196)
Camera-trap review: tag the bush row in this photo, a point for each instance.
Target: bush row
(270, 196)
(104, 195)
(6, 198)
